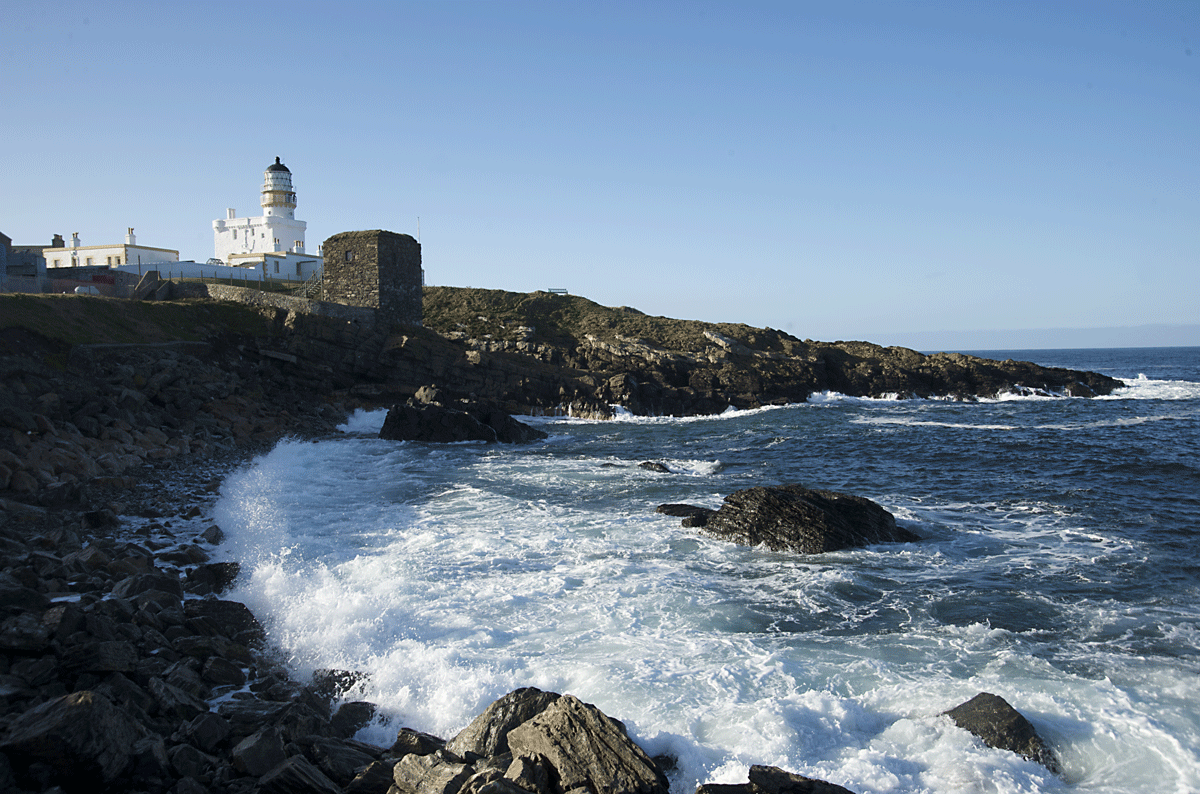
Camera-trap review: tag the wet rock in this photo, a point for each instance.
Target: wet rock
(433, 423)
(352, 717)
(376, 778)
(339, 761)
(297, 775)
(586, 749)
(999, 725)
(653, 465)
(692, 515)
(260, 752)
(83, 738)
(772, 780)
(213, 577)
(410, 741)
(487, 735)
(803, 521)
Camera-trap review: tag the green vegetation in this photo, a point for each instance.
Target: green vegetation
(82, 319)
(558, 319)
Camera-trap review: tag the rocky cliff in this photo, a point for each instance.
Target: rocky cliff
(655, 365)
(95, 387)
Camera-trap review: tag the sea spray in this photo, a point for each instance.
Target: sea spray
(455, 574)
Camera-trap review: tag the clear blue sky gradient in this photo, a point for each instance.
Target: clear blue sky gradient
(905, 172)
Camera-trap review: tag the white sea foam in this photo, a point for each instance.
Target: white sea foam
(456, 574)
(1143, 388)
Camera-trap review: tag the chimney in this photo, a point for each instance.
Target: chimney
(57, 242)
(129, 238)
(74, 239)
(231, 213)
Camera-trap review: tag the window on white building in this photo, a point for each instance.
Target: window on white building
(89, 261)
(235, 234)
(276, 265)
(118, 260)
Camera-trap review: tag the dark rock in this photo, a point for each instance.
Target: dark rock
(653, 465)
(212, 577)
(796, 519)
(999, 725)
(222, 672)
(339, 761)
(586, 749)
(83, 737)
(375, 779)
(234, 617)
(189, 761)
(24, 634)
(297, 775)
(206, 732)
(433, 423)
(260, 752)
(487, 735)
(772, 780)
(352, 717)
(410, 741)
(174, 702)
(141, 583)
(335, 683)
(692, 515)
(116, 656)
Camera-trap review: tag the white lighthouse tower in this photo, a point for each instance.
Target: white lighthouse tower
(272, 242)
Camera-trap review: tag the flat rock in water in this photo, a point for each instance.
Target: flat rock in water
(692, 515)
(433, 423)
(804, 521)
(772, 780)
(999, 725)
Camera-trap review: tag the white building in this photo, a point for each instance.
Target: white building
(272, 243)
(127, 253)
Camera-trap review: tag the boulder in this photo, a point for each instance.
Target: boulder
(297, 775)
(999, 725)
(259, 752)
(438, 773)
(803, 521)
(585, 749)
(487, 735)
(82, 738)
(433, 423)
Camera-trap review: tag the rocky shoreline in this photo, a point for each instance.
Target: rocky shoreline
(121, 666)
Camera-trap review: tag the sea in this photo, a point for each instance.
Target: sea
(1058, 567)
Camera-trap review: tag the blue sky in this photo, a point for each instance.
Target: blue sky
(918, 173)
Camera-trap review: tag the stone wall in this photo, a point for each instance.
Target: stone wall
(260, 299)
(377, 269)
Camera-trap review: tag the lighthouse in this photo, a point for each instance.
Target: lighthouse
(272, 242)
(278, 200)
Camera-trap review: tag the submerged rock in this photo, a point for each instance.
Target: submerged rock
(772, 780)
(999, 725)
(798, 519)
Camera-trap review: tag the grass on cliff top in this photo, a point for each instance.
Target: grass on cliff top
(85, 319)
(559, 319)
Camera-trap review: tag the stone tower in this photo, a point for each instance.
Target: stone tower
(377, 269)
